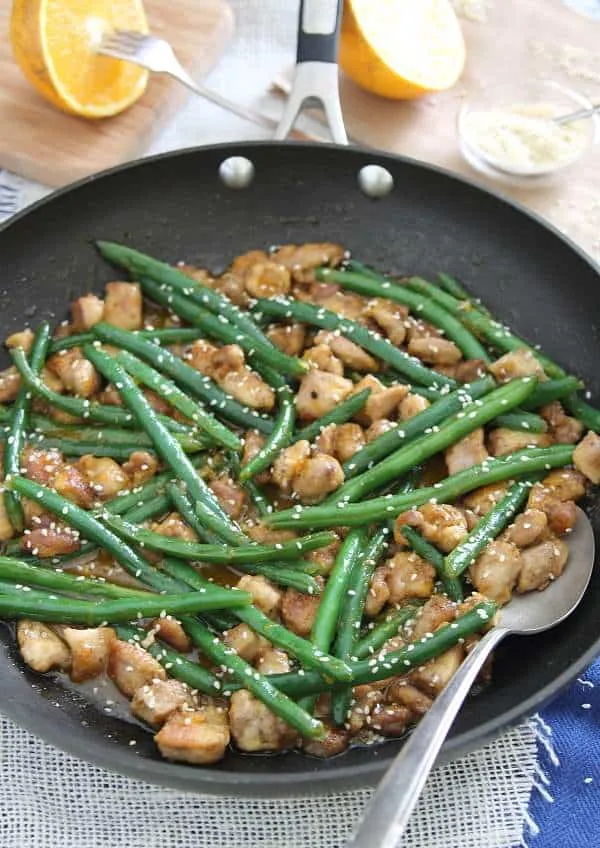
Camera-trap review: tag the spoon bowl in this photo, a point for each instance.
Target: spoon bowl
(388, 813)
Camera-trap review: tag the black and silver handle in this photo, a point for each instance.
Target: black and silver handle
(316, 78)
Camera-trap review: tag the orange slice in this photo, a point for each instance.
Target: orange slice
(53, 42)
(402, 49)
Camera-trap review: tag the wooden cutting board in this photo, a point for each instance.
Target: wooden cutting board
(41, 143)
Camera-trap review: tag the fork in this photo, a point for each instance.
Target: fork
(157, 55)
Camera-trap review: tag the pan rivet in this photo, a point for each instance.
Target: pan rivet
(236, 172)
(375, 181)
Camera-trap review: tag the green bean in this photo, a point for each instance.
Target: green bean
(244, 331)
(406, 431)
(516, 464)
(472, 416)
(452, 585)
(395, 662)
(351, 614)
(81, 407)
(92, 613)
(588, 415)
(257, 496)
(521, 420)
(199, 385)
(177, 398)
(452, 286)
(123, 503)
(487, 528)
(15, 441)
(34, 575)
(375, 344)
(206, 504)
(185, 508)
(278, 440)
(178, 666)
(302, 649)
(234, 556)
(551, 390)
(42, 425)
(362, 269)
(343, 412)
(163, 336)
(424, 307)
(384, 630)
(121, 452)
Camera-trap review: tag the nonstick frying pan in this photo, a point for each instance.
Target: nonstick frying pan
(177, 207)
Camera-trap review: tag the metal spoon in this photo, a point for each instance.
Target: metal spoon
(576, 116)
(388, 813)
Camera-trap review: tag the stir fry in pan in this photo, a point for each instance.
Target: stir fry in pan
(278, 506)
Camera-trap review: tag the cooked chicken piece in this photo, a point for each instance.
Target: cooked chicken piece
(471, 518)
(320, 392)
(527, 528)
(409, 576)
(253, 442)
(542, 564)
(467, 452)
(378, 428)
(418, 329)
(480, 501)
(562, 517)
(320, 475)
(169, 630)
(503, 441)
(341, 441)
(496, 570)
(232, 287)
(130, 667)
(433, 676)
(200, 275)
(401, 692)
(40, 647)
(225, 359)
(110, 396)
(390, 316)
(197, 736)
(77, 374)
(441, 524)
(200, 356)
(437, 611)
(244, 262)
(350, 353)
(123, 305)
(586, 456)
(22, 339)
(336, 742)
(268, 279)
(90, 648)
(382, 401)
(470, 370)
(564, 429)
(264, 594)
(249, 389)
(325, 556)
(155, 702)
(435, 351)
(379, 592)
(273, 661)
(140, 468)
(365, 700)
(226, 365)
(303, 259)
(71, 484)
(255, 728)
(41, 465)
(561, 485)
(245, 642)
(231, 496)
(106, 476)
(389, 719)
(298, 611)
(412, 405)
(174, 527)
(517, 363)
(343, 304)
(322, 358)
(10, 383)
(50, 540)
(157, 403)
(86, 311)
(259, 532)
(289, 464)
(50, 379)
(6, 528)
(289, 338)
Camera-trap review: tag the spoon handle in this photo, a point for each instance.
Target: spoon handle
(387, 815)
(577, 116)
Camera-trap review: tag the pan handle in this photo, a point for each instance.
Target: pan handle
(316, 79)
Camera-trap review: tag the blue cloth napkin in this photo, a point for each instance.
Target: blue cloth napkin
(566, 809)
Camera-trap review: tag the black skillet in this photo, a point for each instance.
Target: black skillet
(177, 207)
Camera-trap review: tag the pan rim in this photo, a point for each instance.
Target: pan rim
(246, 784)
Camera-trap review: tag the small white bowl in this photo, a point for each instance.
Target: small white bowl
(537, 100)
